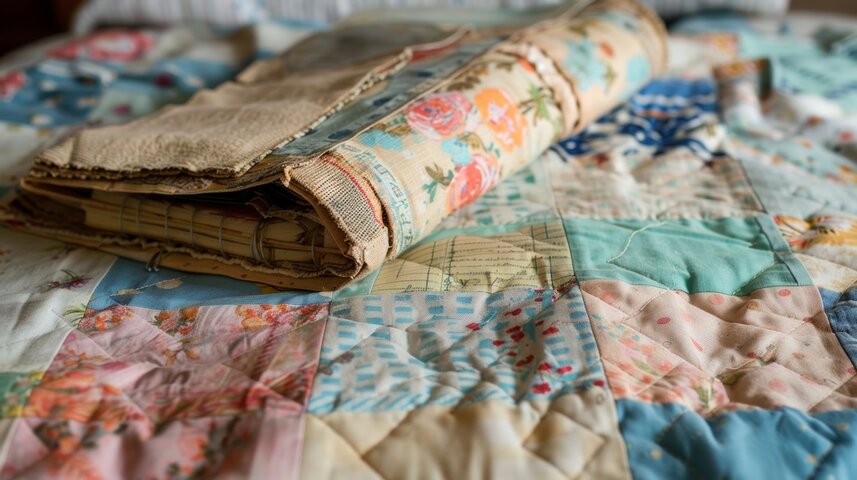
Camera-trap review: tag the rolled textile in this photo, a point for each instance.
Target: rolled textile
(313, 167)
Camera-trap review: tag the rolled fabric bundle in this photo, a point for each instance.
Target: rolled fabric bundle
(314, 167)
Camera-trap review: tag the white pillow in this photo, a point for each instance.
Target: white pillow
(225, 13)
(675, 8)
(229, 13)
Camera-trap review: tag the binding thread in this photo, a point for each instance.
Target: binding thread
(167, 207)
(220, 236)
(153, 265)
(256, 243)
(192, 216)
(122, 215)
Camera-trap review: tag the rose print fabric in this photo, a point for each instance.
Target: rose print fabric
(493, 117)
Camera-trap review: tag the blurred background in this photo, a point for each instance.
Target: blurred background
(25, 22)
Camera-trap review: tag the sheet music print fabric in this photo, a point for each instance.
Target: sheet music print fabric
(668, 294)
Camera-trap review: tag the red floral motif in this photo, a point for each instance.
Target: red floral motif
(541, 388)
(11, 83)
(108, 45)
(439, 116)
(550, 330)
(525, 361)
(472, 180)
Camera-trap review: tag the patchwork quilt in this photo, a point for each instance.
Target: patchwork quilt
(670, 293)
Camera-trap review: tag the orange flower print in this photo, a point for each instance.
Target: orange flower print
(255, 317)
(177, 321)
(189, 313)
(472, 180)
(104, 319)
(439, 116)
(500, 113)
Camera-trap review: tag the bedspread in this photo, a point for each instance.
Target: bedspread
(670, 293)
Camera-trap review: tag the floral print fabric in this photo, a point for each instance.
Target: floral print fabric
(499, 113)
(668, 292)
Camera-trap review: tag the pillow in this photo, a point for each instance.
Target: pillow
(231, 13)
(224, 13)
(676, 8)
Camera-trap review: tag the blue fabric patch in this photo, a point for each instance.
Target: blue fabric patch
(458, 150)
(842, 312)
(669, 441)
(129, 283)
(382, 139)
(664, 115)
(583, 62)
(637, 73)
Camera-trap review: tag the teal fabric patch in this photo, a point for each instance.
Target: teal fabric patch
(669, 441)
(800, 65)
(733, 256)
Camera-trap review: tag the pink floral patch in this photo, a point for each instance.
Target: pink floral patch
(11, 83)
(109, 389)
(108, 46)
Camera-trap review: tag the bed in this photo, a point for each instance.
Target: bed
(669, 293)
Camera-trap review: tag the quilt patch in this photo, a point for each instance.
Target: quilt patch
(740, 254)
